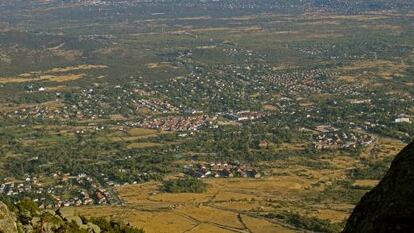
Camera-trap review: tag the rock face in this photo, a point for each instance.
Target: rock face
(7, 220)
(389, 207)
(48, 221)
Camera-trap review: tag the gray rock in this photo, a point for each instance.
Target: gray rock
(35, 221)
(77, 220)
(66, 212)
(52, 212)
(7, 220)
(94, 228)
(27, 228)
(389, 207)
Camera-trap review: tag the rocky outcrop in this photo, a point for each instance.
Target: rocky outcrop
(26, 217)
(389, 207)
(47, 221)
(7, 220)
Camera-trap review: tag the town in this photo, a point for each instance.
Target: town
(66, 190)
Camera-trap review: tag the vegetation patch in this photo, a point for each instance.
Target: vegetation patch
(309, 223)
(185, 185)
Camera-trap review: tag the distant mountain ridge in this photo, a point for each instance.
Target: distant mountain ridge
(389, 207)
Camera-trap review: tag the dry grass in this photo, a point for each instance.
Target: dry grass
(332, 215)
(372, 68)
(217, 210)
(365, 183)
(161, 65)
(206, 228)
(211, 215)
(133, 135)
(270, 107)
(347, 78)
(63, 78)
(51, 78)
(256, 225)
(389, 147)
(75, 68)
(139, 132)
(52, 75)
(117, 117)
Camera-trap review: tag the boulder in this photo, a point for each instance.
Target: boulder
(7, 220)
(75, 219)
(93, 228)
(389, 207)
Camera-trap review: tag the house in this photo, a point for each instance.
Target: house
(253, 173)
(402, 120)
(264, 144)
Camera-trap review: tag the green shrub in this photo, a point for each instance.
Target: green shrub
(185, 185)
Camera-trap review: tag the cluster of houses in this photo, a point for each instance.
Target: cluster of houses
(301, 81)
(179, 123)
(221, 170)
(38, 112)
(237, 52)
(65, 190)
(310, 50)
(403, 120)
(332, 138)
(157, 105)
(94, 103)
(244, 115)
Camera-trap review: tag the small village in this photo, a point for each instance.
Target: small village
(221, 170)
(335, 140)
(66, 190)
(244, 115)
(179, 123)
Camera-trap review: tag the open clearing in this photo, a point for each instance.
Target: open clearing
(63, 74)
(228, 206)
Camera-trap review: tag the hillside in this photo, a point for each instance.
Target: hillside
(389, 207)
(27, 217)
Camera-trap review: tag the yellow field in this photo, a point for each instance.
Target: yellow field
(52, 75)
(51, 78)
(75, 68)
(133, 135)
(262, 226)
(139, 132)
(224, 208)
(333, 215)
(382, 68)
(366, 183)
